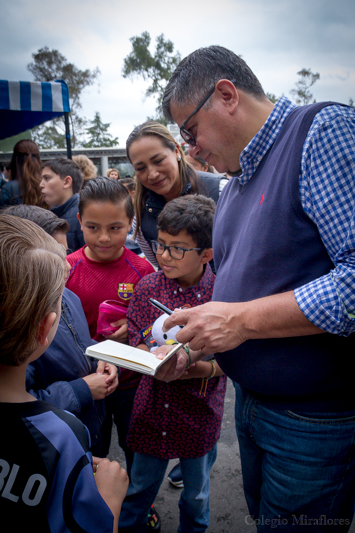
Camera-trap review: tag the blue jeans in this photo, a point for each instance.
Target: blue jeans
(147, 475)
(298, 468)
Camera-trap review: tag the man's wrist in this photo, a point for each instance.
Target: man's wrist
(274, 316)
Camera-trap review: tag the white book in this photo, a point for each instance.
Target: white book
(129, 357)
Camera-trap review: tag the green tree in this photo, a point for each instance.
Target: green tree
(98, 134)
(47, 136)
(302, 94)
(157, 67)
(272, 97)
(50, 65)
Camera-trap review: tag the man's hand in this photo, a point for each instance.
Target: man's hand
(216, 327)
(211, 328)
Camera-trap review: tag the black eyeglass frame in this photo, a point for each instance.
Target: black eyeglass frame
(155, 244)
(185, 134)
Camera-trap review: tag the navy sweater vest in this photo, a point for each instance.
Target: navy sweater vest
(264, 244)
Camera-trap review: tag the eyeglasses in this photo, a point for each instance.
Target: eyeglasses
(176, 252)
(187, 135)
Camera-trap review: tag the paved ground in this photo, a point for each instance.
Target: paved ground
(229, 512)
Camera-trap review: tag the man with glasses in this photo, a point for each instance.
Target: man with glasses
(283, 307)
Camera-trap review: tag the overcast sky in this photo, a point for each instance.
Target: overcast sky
(277, 38)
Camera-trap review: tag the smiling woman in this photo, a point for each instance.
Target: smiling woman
(163, 174)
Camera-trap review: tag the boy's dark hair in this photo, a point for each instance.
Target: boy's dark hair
(42, 217)
(66, 167)
(103, 189)
(192, 213)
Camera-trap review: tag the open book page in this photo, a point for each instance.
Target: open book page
(129, 357)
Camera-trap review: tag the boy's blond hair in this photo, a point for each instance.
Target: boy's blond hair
(32, 277)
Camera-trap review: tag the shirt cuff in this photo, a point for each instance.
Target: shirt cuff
(82, 393)
(320, 303)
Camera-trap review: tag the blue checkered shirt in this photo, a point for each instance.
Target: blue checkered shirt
(327, 193)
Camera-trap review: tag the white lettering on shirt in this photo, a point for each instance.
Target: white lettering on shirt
(33, 490)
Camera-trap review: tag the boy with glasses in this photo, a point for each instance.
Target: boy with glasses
(181, 419)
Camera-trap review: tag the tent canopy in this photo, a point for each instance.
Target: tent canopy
(26, 104)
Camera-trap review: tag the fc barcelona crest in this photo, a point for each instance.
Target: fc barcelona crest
(125, 290)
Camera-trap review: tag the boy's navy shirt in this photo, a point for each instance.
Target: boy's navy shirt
(69, 211)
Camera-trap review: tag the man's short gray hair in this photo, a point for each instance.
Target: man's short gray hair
(197, 73)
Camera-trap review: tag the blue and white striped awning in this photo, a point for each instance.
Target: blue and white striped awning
(25, 104)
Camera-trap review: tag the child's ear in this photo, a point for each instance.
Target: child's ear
(78, 217)
(67, 182)
(45, 327)
(206, 256)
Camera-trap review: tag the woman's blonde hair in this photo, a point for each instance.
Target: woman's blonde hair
(32, 277)
(186, 172)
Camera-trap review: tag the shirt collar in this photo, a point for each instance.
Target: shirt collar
(263, 140)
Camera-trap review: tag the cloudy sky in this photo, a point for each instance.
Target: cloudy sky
(277, 38)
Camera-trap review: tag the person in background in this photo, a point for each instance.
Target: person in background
(61, 183)
(56, 227)
(131, 243)
(113, 173)
(130, 185)
(64, 376)
(199, 164)
(87, 167)
(24, 187)
(283, 323)
(46, 463)
(3, 180)
(7, 172)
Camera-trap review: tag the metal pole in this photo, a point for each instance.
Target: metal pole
(67, 134)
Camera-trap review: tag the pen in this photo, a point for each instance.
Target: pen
(160, 306)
